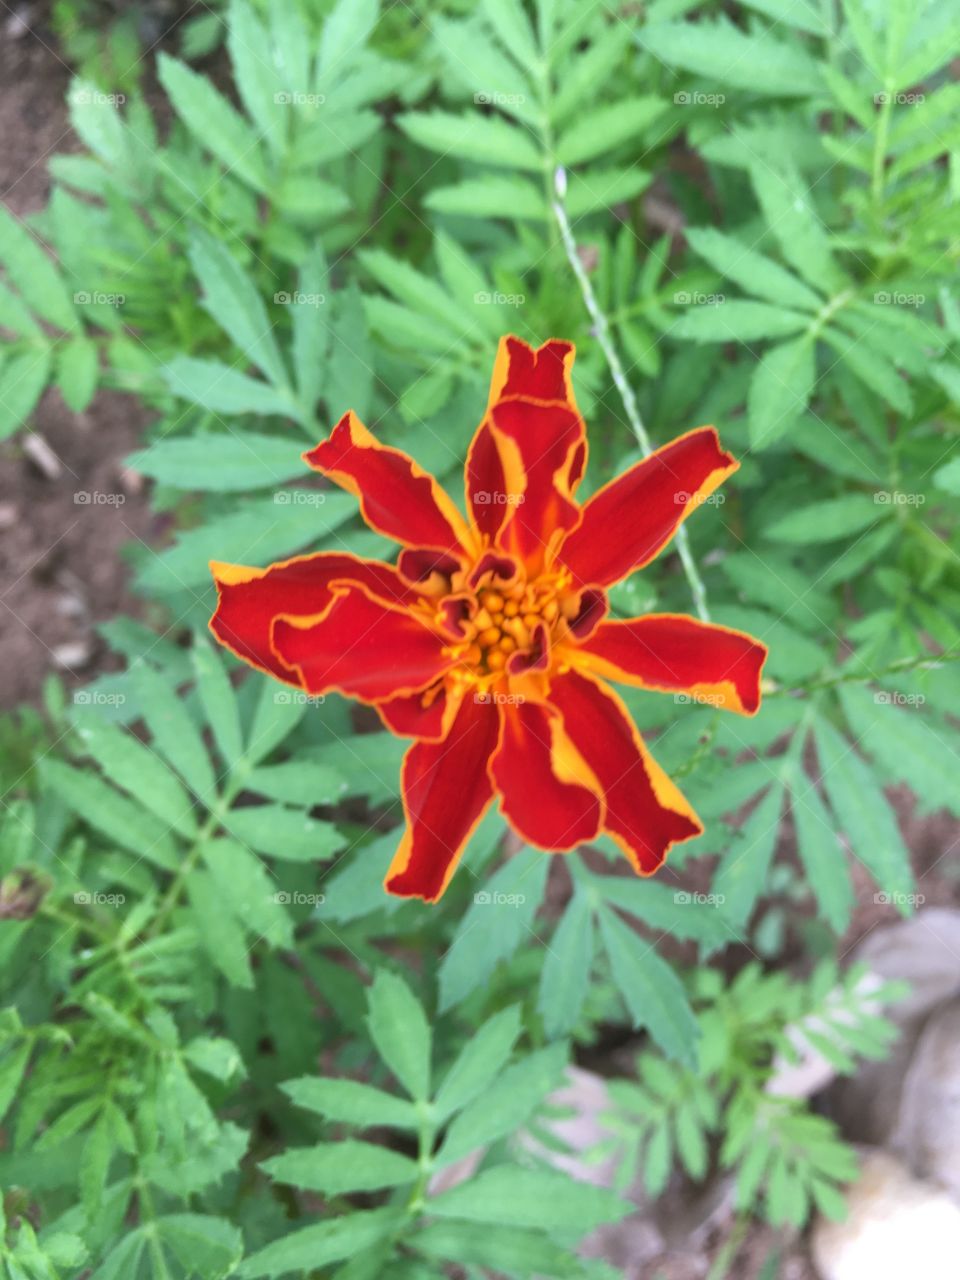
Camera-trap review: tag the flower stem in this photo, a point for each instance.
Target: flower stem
(631, 408)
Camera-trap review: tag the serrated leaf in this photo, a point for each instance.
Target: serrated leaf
(607, 127)
(530, 1198)
(780, 390)
(345, 1166)
(566, 969)
(352, 1102)
(34, 274)
(221, 389)
(828, 520)
(401, 1033)
(481, 1058)
(742, 876)
(479, 138)
(234, 462)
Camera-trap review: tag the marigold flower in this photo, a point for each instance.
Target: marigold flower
(489, 641)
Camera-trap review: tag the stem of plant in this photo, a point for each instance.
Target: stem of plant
(601, 328)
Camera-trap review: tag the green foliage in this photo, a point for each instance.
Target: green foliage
(347, 209)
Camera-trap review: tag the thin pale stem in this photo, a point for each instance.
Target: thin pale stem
(601, 328)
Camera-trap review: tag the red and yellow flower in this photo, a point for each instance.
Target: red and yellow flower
(488, 641)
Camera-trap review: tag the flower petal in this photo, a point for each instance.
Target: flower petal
(676, 653)
(550, 795)
(427, 714)
(645, 812)
(397, 497)
(497, 480)
(251, 599)
(630, 520)
(446, 791)
(362, 647)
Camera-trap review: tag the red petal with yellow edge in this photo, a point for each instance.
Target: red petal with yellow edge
(361, 647)
(549, 794)
(251, 599)
(629, 521)
(427, 714)
(397, 497)
(533, 375)
(446, 791)
(676, 653)
(539, 446)
(645, 813)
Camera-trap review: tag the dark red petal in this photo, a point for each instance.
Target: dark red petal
(361, 647)
(250, 600)
(630, 520)
(675, 653)
(536, 378)
(539, 447)
(549, 796)
(645, 812)
(397, 497)
(446, 791)
(426, 714)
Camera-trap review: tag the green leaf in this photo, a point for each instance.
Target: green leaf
(310, 329)
(206, 1247)
(400, 1032)
(792, 219)
(743, 872)
(352, 1102)
(289, 834)
(752, 271)
(299, 782)
(828, 520)
(491, 197)
(947, 477)
(33, 273)
(233, 301)
(823, 859)
(481, 139)
(107, 811)
(607, 127)
(780, 390)
(22, 381)
(721, 52)
(215, 124)
(511, 1250)
(229, 463)
(864, 814)
(174, 733)
(219, 932)
(506, 1105)
(738, 321)
(218, 701)
(345, 32)
(322, 1243)
(131, 765)
(248, 891)
(337, 1167)
(480, 1060)
(493, 926)
(78, 370)
(12, 1068)
(566, 970)
(873, 368)
(221, 389)
(540, 1198)
(652, 991)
